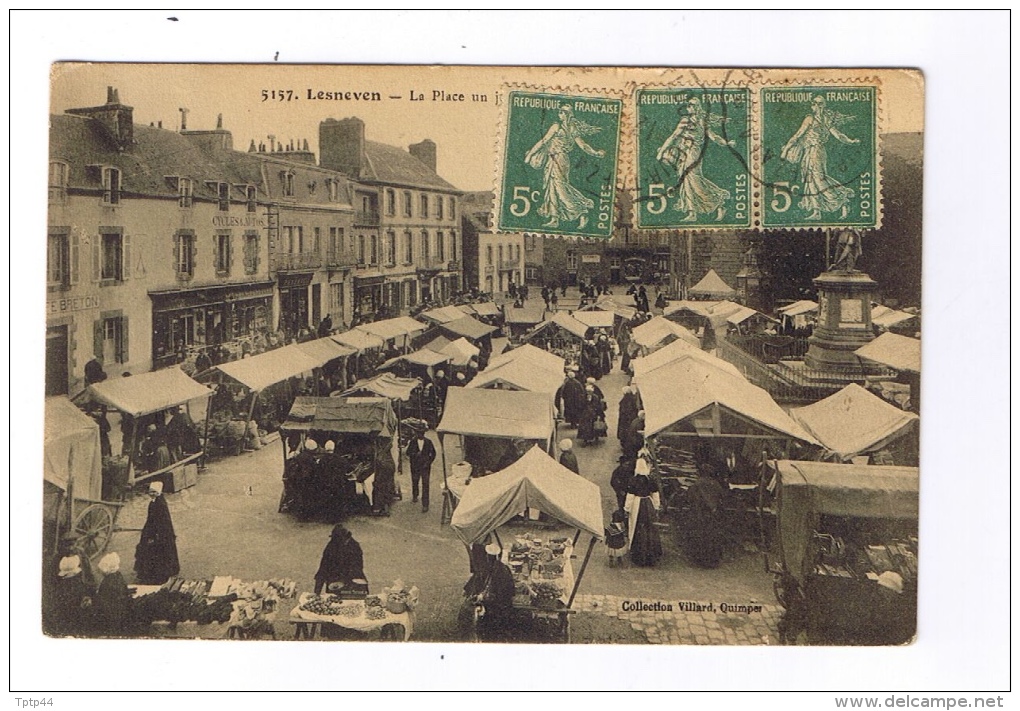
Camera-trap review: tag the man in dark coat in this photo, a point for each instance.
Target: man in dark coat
(325, 327)
(635, 435)
(342, 561)
(567, 456)
(156, 554)
(628, 411)
(570, 398)
(421, 453)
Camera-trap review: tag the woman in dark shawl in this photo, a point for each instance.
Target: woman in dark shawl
(342, 561)
(704, 542)
(156, 553)
(628, 411)
(642, 506)
(590, 412)
(113, 600)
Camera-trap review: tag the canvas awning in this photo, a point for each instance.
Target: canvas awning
(561, 320)
(445, 314)
(676, 351)
(386, 385)
(532, 354)
(534, 481)
(798, 307)
(505, 414)
(71, 449)
(357, 415)
(460, 352)
(424, 357)
(885, 317)
(149, 392)
(393, 327)
(854, 421)
(485, 308)
(265, 369)
(807, 490)
(323, 350)
(743, 314)
(519, 374)
(530, 314)
(468, 327)
(898, 352)
(610, 303)
(696, 388)
(712, 286)
(596, 318)
(358, 340)
(659, 329)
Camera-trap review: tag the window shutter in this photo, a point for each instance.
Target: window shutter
(96, 270)
(194, 253)
(97, 339)
(230, 252)
(126, 266)
(177, 261)
(73, 266)
(122, 345)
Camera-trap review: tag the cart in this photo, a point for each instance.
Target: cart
(324, 484)
(72, 475)
(514, 501)
(839, 529)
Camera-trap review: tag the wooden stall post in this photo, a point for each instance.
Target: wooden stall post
(580, 574)
(205, 431)
(131, 450)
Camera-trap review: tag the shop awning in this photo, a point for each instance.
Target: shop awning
(532, 354)
(712, 286)
(898, 352)
(468, 327)
(444, 314)
(659, 329)
(807, 490)
(498, 413)
(529, 314)
(265, 369)
(534, 481)
(358, 340)
(424, 357)
(696, 387)
(460, 351)
(854, 421)
(596, 318)
(148, 392)
(357, 415)
(71, 449)
(676, 351)
(519, 375)
(386, 385)
(323, 350)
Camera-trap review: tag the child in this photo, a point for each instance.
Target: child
(616, 538)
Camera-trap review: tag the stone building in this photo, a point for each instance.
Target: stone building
(492, 260)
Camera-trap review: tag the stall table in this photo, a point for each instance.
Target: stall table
(355, 616)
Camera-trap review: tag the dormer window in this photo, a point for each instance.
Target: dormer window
(185, 192)
(58, 181)
(288, 183)
(111, 186)
(223, 196)
(333, 188)
(251, 194)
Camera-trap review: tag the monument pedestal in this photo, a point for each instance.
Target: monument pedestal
(844, 323)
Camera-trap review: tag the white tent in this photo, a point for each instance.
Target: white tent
(853, 421)
(71, 450)
(596, 318)
(660, 331)
(536, 356)
(358, 340)
(503, 414)
(265, 369)
(519, 374)
(898, 352)
(712, 286)
(675, 351)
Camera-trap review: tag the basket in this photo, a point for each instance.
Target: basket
(395, 607)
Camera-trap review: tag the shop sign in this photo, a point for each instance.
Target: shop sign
(591, 258)
(238, 221)
(72, 304)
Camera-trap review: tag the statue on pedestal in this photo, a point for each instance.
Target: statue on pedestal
(849, 250)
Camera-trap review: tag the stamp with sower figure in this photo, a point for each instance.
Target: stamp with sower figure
(560, 158)
(819, 156)
(693, 166)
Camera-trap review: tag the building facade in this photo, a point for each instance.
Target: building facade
(491, 260)
(406, 232)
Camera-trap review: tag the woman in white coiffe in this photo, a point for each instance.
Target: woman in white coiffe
(642, 507)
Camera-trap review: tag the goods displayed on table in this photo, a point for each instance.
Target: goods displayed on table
(839, 557)
(393, 605)
(222, 599)
(542, 573)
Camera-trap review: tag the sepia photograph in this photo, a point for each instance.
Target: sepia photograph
(436, 368)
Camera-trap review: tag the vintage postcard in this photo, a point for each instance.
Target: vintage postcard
(554, 355)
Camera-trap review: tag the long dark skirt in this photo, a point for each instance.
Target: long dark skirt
(646, 547)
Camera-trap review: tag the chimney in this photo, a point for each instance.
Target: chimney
(251, 146)
(219, 122)
(425, 152)
(115, 118)
(342, 146)
(209, 140)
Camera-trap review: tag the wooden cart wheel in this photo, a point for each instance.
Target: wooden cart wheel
(94, 525)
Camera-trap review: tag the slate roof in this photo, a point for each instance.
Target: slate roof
(395, 166)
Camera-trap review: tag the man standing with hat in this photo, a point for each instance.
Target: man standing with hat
(421, 453)
(156, 554)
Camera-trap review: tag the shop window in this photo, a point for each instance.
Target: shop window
(391, 202)
(111, 186)
(407, 203)
(408, 248)
(185, 192)
(251, 194)
(184, 254)
(223, 254)
(391, 248)
(58, 181)
(61, 264)
(440, 245)
(112, 257)
(251, 253)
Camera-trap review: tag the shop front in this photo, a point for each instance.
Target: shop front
(221, 321)
(294, 309)
(368, 296)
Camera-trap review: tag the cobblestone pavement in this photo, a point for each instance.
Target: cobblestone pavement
(677, 626)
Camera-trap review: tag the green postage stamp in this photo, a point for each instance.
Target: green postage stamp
(818, 157)
(693, 168)
(560, 164)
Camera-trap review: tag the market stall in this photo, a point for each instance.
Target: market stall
(406, 395)
(367, 356)
(798, 316)
(520, 320)
(545, 583)
(518, 374)
(853, 424)
(390, 613)
(154, 445)
(677, 350)
(711, 287)
(903, 355)
(329, 482)
(490, 424)
(445, 314)
(904, 323)
(659, 332)
(259, 389)
(529, 353)
(844, 551)
(468, 327)
(332, 358)
(562, 334)
(422, 364)
(397, 331)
